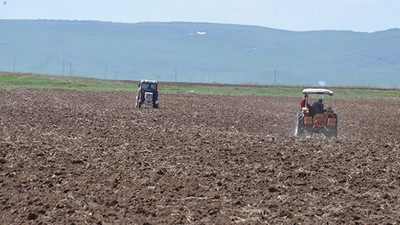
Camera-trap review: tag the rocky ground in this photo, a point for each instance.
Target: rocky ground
(70, 157)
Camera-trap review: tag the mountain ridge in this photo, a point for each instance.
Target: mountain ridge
(200, 52)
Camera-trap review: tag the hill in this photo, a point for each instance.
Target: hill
(200, 52)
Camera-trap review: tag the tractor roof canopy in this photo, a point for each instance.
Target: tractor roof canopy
(148, 81)
(318, 91)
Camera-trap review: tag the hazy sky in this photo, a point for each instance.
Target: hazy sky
(296, 15)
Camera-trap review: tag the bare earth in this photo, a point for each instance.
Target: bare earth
(70, 157)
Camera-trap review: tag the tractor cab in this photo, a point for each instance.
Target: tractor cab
(315, 117)
(147, 93)
(308, 107)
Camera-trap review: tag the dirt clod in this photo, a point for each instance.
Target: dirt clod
(32, 216)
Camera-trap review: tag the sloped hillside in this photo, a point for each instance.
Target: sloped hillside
(200, 52)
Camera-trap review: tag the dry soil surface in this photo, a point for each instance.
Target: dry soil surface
(69, 157)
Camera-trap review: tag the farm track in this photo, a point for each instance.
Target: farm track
(74, 157)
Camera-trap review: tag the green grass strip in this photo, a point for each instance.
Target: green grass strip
(46, 82)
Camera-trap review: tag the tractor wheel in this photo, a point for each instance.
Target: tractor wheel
(155, 105)
(299, 125)
(334, 132)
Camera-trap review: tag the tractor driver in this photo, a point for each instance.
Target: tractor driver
(318, 107)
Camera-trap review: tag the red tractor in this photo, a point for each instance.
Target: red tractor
(314, 118)
(147, 93)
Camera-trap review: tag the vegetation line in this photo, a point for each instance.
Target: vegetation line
(46, 82)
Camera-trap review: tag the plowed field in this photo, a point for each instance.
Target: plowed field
(70, 157)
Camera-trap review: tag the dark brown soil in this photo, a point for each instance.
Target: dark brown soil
(71, 157)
